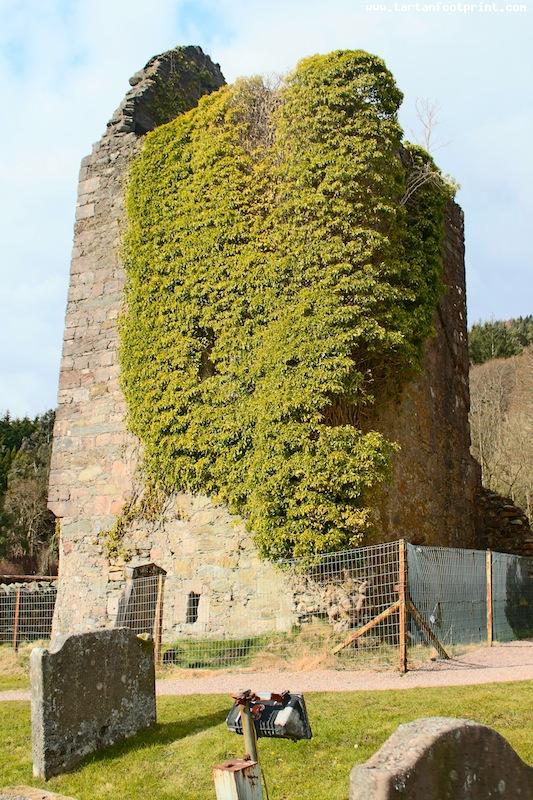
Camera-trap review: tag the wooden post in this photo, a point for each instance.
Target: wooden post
(426, 630)
(16, 621)
(367, 627)
(238, 779)
(158, 621)
(489, 597)
(402, 591)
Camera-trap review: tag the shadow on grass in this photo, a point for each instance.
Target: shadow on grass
(161, 734)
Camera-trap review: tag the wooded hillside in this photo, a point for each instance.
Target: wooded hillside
(501, 420)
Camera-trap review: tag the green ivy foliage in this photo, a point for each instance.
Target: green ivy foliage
(278, 285)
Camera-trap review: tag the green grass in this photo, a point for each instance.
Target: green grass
(8, 682)
(15, 667)
(174, 759)
(300, 648)
(213, 653)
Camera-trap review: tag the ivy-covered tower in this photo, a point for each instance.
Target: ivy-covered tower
(266, 322)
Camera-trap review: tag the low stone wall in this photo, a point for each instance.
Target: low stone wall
(439, 758)
(88, 692)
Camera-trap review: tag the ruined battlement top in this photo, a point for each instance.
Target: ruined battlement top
(168, 84)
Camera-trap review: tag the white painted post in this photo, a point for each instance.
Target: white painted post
(238, 779)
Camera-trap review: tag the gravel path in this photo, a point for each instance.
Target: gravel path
(501, 663)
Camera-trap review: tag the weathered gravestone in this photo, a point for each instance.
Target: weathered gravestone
(443, 759)
(89, 691)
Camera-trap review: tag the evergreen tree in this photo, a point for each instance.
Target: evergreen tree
(499, 339)
(27, 527)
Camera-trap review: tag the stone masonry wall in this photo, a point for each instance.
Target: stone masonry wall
(199, 544)
(94, 458)
(432, 496)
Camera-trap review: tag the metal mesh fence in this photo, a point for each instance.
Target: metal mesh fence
(512, 597)
(295, 610)
(339, 610)
(449, 588)
(348, 589)
(26, 612)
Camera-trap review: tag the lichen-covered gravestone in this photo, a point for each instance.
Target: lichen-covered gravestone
(440, 758)
(88, 692)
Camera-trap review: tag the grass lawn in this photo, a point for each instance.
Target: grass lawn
(174, 759)
(15, 667)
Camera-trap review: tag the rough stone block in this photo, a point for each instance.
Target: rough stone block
(89, 691)
(85, 211)
(90, 473)
(88, 186)
(440, 758)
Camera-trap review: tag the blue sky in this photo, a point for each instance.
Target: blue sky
(64, 67)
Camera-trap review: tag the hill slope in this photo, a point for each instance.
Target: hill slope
(501, 419)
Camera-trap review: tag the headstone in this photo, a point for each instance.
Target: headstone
(439, 758)
(89, 691)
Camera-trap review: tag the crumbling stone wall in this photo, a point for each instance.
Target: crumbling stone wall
(503, 526)
(203, 549)
(95, 460)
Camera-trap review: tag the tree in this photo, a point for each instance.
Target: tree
(522, 328)
(12, 434)
(499, 339)
(27, 528)
(425, 171)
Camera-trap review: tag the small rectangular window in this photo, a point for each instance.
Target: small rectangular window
(193, 601)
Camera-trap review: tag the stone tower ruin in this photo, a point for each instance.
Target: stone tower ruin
(94, 471)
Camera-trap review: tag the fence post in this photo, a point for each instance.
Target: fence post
(238, 780)
(488, 563)
(16, 621)
(402, 591)
(158, 620)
